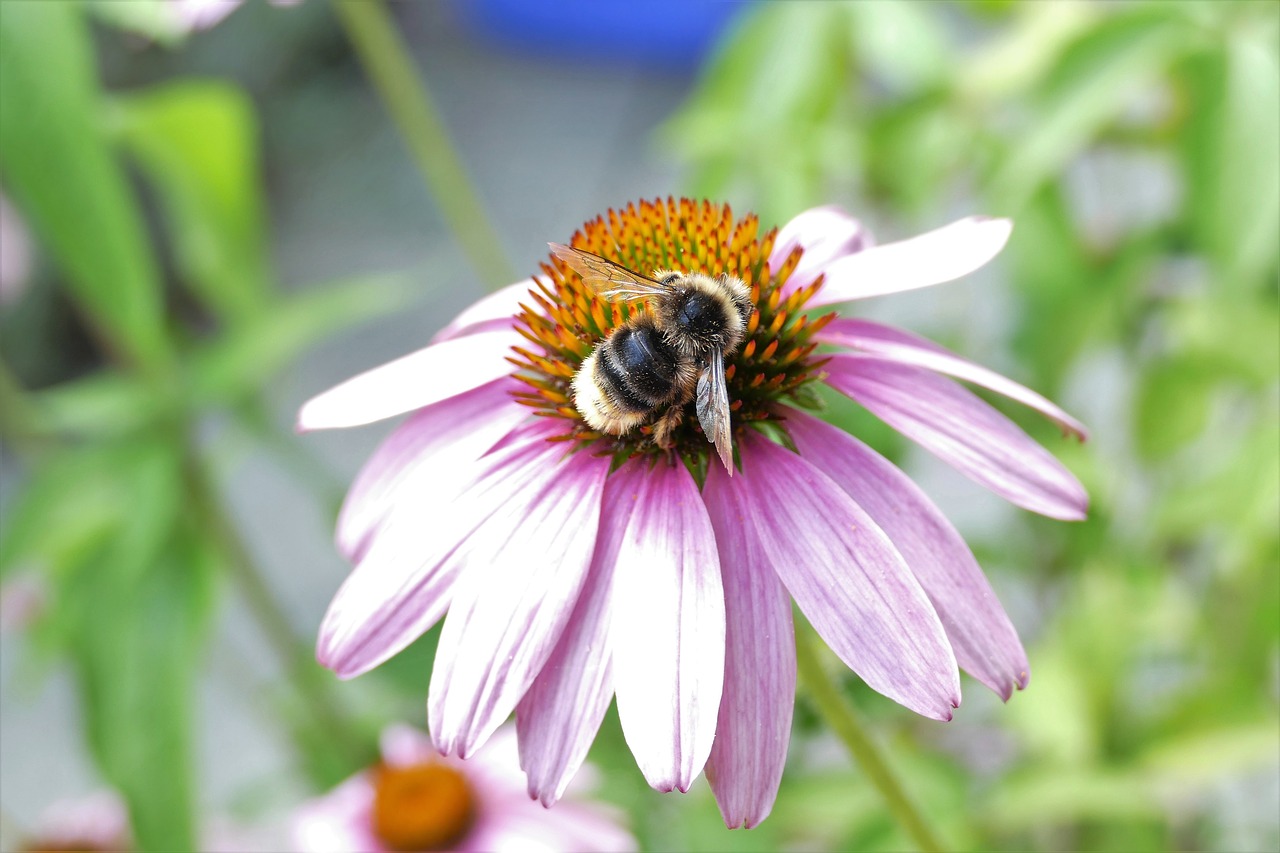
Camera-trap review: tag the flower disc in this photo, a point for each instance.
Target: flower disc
(569, 319)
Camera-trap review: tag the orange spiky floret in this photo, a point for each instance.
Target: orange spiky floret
(565, 319)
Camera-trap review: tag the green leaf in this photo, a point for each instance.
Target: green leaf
(764, 105)
(139, 634)
(73, 503)
(58, 166)
(902, 44)
(912, 146)
(1236, 487)
(1236, 332)
(131, 609)
(130, 596)
(1172, 405)
(1057, 796)
(64, 513)
(102, 405)
(1204, 758)
(198, 142)
(1095, 78)
(1229, 154)
(1020, 54)
(156, 19)
(243, 359)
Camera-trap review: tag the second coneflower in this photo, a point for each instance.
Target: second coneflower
(576, 565)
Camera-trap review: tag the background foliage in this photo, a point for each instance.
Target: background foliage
(1137, 148)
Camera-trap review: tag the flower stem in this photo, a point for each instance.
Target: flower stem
(845, 721)
(304, 674)
(386, 60)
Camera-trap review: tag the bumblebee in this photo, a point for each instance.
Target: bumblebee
(660, 359)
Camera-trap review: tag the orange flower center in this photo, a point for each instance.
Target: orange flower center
(421, 807)
(566, 319)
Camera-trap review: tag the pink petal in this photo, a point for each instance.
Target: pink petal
(405, 746)
(985, 642)
(845, 575)
(902, 347)
(499, 307)
(963, 431)
(526, 827)
(402, 585)
(946, 254)
(558, 718)
(754, 728)
(436, 446)
(825, 234)
(339, 821)
(525, 567)
(668, 622)
(419, 379)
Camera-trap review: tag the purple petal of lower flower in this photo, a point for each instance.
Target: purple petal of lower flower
(559, 717)
(401, 586)
(525, 567)
(339, 821)
(845, 575)
(985, 642)
(435, 447)
(962, 430)
(668, 622)
(419, 379)
(498, 307)
(902, 347)
(526, 827)
(754, 728)
(825, 233)
(932, 258)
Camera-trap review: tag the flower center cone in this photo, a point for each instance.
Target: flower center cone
(568, 319)
(421, 807)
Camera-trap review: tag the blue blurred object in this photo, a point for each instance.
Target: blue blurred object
(671, 33)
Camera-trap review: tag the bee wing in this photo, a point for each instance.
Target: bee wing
(713, 408)
(612, 281)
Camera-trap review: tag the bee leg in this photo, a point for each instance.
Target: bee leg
(664, 426)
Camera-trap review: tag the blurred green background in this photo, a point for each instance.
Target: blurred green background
(203, 227)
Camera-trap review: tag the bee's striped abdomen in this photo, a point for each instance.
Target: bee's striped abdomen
(637, 367)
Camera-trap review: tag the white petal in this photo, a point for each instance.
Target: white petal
(419, 379)
(403, 583)
(962, 430)
(434, 451)
(825, 233)
(754, 728)
(525, 567)
(559, 717)
(485, 314)
(902, 347)
(935, 257)
(668, 624)
(985, 642)
(844, 574)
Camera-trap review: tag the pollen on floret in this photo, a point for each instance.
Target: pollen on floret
(565, 319)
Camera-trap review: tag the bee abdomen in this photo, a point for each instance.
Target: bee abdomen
(637, 367)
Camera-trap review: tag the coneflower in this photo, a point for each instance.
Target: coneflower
(576, 566)
(416, 799)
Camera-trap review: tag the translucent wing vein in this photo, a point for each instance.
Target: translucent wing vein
(713, 408)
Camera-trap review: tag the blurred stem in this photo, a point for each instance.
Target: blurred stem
(386, 60)
(846, 722)
(304, 673)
